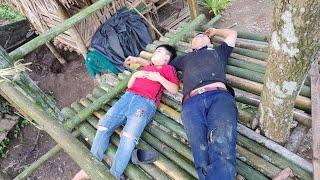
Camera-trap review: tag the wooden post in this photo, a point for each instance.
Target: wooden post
(78, 152)
(55, 31)
(193, 8)
(315, 98)
(56, 53)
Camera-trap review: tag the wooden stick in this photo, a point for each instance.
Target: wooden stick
(315, 98)
(150, 23)
(56, 53)
(193, 8)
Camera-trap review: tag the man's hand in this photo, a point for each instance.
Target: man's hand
(153, 76)
(210, 32)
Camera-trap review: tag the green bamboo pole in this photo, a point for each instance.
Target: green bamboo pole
(70, 144)
(131, 171)
(272, 157)
(258, 163)
(210, 24)
(55, 31)
(253, 36)
(31, 89)
(42, 160)
(248, 172)
(267, 143)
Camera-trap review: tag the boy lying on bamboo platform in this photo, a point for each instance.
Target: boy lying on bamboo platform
(136, 107)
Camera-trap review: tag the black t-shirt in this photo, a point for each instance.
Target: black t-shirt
(204, 66)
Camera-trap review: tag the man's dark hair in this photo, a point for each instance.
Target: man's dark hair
(172, 51)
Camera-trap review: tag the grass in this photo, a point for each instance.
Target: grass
(215, 6)
(7, 13)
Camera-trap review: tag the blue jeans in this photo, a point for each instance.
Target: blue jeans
(135, 112)
(210, 120)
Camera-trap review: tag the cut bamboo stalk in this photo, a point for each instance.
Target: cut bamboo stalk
(293, 158)
(42, 160)
(56, 53)
(210, 24)
(256, 37)
(55, 31)
(296, 138)
(315, 91)
(70, 144)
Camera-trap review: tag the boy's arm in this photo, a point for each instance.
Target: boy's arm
(168, 85)
(136, 60)
(138, 74)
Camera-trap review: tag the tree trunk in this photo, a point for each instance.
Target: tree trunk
(291, 51)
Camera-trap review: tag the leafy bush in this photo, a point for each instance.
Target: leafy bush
(6, 13)
(215, 6)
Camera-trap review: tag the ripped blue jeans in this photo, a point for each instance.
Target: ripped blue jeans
(210, 120)
(134, 112)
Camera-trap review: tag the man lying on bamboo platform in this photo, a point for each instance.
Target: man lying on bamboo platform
(209, 111)
(135, 108)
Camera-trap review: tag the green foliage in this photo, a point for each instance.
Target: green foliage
(215, 6)
(3, 149)
(6, 13)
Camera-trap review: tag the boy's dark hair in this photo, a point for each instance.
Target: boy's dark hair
(172, 51)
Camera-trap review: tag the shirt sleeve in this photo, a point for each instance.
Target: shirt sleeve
(224, 51)
(171, 75)
(177, 63)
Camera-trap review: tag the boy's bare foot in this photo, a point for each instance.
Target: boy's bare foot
(81, 175)
(284, 174)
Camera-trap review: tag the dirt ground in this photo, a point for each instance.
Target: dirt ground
(72, 82)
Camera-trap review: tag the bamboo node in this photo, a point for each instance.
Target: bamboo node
(14, 71)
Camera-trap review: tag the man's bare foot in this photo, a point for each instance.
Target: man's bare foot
(81, 175)
(284, 174)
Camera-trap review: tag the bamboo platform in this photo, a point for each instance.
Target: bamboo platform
(257, 156)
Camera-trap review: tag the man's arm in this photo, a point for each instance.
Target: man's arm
(230, 36)
(168, 85)
(136, 60)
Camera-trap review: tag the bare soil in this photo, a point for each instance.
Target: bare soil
(72, 82)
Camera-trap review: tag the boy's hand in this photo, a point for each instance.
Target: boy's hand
(210, 32)
(131, 60)
(140, 74)
(154, 76)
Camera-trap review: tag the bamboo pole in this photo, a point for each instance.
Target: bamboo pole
(30, 88)
(210, 24)
(56, 53)
(248, 172)
(70, 144)
(253, 36)
(305, 165)
(75, 35)
(271, 156)
(55, 31)
(315, 91)
(193, 8)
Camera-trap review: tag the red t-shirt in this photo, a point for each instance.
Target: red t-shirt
(152, 89)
